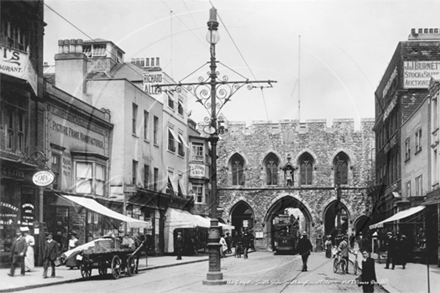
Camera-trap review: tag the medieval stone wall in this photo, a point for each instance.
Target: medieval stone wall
(288, 137)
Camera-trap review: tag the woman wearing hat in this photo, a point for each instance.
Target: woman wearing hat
(29, 260)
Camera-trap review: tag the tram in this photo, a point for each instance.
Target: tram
(285, 233)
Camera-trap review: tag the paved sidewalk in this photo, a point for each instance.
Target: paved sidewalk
(64, 275)
(412, 279)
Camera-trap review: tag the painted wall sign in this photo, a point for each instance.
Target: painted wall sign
(43, 178)
(27, 214)
(390, 108)
(389, 83)
(197, 170)
(417, 74)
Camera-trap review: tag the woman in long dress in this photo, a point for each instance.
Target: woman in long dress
(71, 261)
(29, 260)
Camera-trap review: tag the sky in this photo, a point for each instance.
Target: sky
(326, 56)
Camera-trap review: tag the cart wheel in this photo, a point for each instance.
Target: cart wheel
(131, 266)
(86, 270)
(116, 266)
(102, 268)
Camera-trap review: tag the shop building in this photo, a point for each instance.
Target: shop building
(22, 147)
(79, 147)
(405, 140)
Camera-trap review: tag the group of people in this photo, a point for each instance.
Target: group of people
(397, 247)
(241, 243)
(368, 277)
(22, 253)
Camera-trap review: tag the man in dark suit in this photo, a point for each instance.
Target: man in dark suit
(304, 248)
(18, 252)
(50, 254)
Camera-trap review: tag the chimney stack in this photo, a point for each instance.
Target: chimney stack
(424, 34)
(71, 67)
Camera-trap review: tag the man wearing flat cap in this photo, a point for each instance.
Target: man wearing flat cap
(18, 252)
(304, 248)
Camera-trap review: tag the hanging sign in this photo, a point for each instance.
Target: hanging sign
(43, 178)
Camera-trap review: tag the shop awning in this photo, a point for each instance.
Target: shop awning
(93, 205)
(400, 215)
(182, 219)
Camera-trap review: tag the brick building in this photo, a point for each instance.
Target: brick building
(255, 183)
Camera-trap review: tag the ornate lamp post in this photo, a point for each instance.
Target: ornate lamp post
(213, 93)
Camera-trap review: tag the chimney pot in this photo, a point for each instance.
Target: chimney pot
(431, 30)
(60, 46)
(426, 30)
(413, 31)
(79, 46)
(420, 31)
(72, 46)
(436, 30)
(66, 46)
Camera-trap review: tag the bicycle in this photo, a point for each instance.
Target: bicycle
(339, 264)
(356, 264)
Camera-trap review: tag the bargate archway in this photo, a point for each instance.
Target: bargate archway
(242, 216)
(330, 219)
(282, 206)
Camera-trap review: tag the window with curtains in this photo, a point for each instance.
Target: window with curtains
(271, 164)
(306, 163)
(199, 193)
(89, 178)
(237, 166)
(340, 164)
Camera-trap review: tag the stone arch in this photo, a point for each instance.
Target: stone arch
(264, 168)
(231, 154)
(306, 150)
(350, 164)
(329, 217)
(277, 205)
(242, 216)
(236, 173)
(361, 224)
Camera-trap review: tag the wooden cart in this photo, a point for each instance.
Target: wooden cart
(121, 261)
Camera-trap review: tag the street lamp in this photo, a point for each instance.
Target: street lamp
(213, 93)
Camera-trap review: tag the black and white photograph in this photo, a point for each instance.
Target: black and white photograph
(268, 146)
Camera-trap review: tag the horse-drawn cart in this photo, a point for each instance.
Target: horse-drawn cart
(107, 254)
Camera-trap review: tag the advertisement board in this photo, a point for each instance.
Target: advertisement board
(417, 74)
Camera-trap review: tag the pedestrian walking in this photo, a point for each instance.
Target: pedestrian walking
(328, 247)
(237, 244)
(179, 245)
(368, 276)
(18, 252)
(343, 249)
(404, 246)
(401, 250)
(304, 248)
(228, 239)
(72, 262)
(50, 254)
(224, 246)
(245, 243)
(29, 259)
(390, 246)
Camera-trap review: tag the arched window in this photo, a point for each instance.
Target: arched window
(341, 168)
(306, 169)
(237, 166)
(271, 163)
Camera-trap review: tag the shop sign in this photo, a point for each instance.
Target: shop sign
(130, 188)
(389, 83)
(43, 178)
(27, 214)
(150, 80)
(390, 108)
(197, 170)
(12, 173)
(8, 213)
(417, 74)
